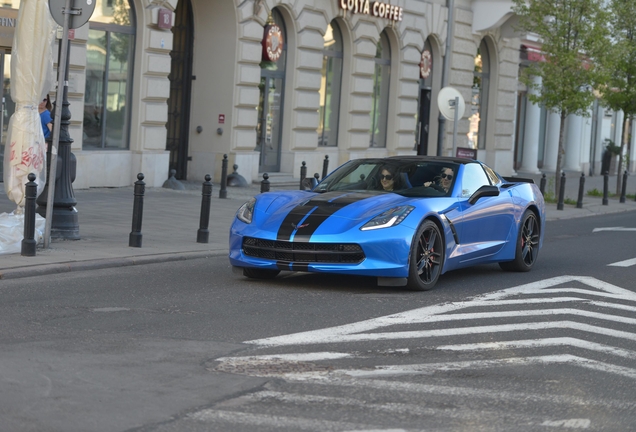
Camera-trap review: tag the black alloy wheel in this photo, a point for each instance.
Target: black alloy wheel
(427, 257)
(527, 248)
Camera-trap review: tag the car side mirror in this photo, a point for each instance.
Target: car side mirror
(484, 191)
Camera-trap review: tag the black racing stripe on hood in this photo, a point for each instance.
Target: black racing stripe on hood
(319, 209)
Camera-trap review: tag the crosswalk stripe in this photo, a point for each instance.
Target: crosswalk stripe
(538, 343)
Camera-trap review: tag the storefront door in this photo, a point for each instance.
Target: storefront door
(7, 104)
(270, 120)
(423, 121)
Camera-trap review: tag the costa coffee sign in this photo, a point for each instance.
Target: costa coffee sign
(272, 42)
(376, 9)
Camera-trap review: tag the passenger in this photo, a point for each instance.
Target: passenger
(443, 181)
(389, 179)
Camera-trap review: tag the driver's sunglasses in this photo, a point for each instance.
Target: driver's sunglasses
(448, 176)
(386, 177)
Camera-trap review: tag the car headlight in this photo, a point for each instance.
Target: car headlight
(389, 218)
(246, 211)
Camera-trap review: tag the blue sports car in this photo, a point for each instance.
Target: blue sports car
(405, 220)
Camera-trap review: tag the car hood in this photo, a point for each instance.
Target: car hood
(301, 213)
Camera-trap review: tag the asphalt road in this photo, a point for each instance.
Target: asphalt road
(190, 346)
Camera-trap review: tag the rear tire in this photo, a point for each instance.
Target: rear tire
(527, 247)
(257, 273)
(427, 257)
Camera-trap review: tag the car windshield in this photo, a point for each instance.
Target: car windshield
(408, 178)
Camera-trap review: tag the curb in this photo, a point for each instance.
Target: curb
(75, 266)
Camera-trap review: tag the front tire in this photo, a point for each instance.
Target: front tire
(257, 273)
(527, 247)
(427, 257)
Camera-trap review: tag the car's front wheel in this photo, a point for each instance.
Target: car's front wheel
(257, 273)
(427, 257)
(527, 247)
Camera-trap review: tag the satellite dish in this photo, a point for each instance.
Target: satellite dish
(446, 103)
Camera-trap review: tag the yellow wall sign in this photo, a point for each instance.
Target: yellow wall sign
(376, 9)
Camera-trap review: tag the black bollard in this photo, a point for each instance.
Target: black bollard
(134, 240)
(30, 193)
(265, 183)
(579, 202)
(605, 187)
(624, 188)
(203, 234)
(561, 192)
(303, 175)
(223, 190)
(325, 166)
(542, 184)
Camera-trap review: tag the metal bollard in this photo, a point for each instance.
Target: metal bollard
(624, 188)
(134, 240)
(223, 190)
(203, 234)
(303, 175)
(30, 193)
(605, 187)
(265, 183)
(561, 192)
(542, 184)
(579, 202)
(325, 166)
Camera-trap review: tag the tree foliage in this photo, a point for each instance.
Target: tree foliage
(573, 37)
(620, 64)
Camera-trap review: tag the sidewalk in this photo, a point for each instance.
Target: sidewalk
(171, 220)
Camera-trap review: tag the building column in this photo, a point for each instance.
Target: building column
(552, 142)
(597, 140)
(574, 125)
(531, 134)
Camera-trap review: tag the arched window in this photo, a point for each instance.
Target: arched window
(109, 68)
(479, 99)
(422, 117)
(330, 86)
(380, 103)
(270, 107)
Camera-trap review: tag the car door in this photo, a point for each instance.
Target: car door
(484, 226)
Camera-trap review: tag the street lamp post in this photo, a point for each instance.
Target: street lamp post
(64, 221)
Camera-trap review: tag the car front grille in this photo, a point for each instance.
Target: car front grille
(297, 252)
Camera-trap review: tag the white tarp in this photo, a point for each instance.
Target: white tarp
(31, 80)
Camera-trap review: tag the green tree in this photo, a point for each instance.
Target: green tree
(620, 63)
(573, 36)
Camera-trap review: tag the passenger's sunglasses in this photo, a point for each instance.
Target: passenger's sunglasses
(448, 176)
(386, 177)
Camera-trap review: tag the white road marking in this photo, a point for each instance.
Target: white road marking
(261, 420)
(349, 332)
(568, 423)
(431, 368)
(626, 263)
(613, 229)
(536, 343)
(385, 407)
(300, 357)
